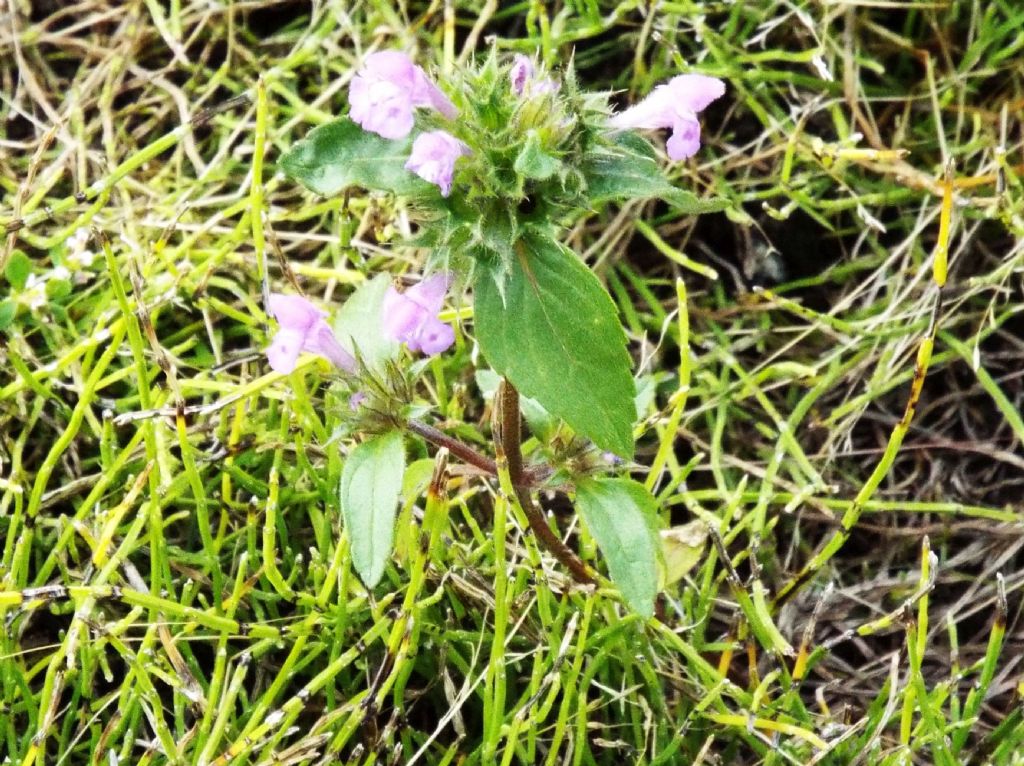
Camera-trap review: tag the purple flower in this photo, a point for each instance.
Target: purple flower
(385, 91)
(433, 158)
(521, 72)
(302, 328)
(411, 317)
(675, 105)
(521, 76)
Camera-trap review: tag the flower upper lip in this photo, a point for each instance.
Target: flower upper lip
(302, 328)
(387, 89)
(674, 105)
(411, 317)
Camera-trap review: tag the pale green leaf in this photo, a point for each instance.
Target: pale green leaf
(18, 268)
(370, 484)
(682, 547)
(357, 324)
(622, 516)
(8, 311)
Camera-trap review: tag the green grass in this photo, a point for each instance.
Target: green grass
(174, 581)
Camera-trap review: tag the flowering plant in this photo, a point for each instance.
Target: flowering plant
(495, 167)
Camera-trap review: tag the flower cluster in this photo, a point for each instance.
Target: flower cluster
(389, 88)
(409, 317)
(383, 97)
(71, 269)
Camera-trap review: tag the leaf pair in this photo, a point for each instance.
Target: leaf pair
(620, 514)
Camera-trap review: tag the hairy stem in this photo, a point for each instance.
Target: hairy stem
(461, 450)
(531, 477)
(508, 439)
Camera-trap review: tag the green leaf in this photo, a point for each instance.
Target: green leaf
(370, 483)
(629, 170)
(341, 154)
(358, 324)
(552, 330)
(533, 161)
(58, 289)
(622, 517)
(19, 266)
(8, 310)
(417, 478)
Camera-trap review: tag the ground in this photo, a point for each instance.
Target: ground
(175, 584)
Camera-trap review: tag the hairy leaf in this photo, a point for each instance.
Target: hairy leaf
(370, 484)
(629, 170)
(552, 330)
(622, 517)
(340, 154)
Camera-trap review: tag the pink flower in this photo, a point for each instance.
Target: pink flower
(384, 93)
(302, 328)
(433, 158)
(411, 317)
(521, 76)
(675, 105)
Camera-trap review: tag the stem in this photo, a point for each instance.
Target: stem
(462, 451)
(510, 430)
(469, 455)
(509, 442)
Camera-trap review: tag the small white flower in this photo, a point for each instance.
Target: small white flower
(35, 292)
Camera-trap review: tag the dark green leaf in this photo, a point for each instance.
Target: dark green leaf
(340, 154)
(370, 483)
(494, 234)
(552, 330)
(629, 170)
(19, 266)
(622, 517)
